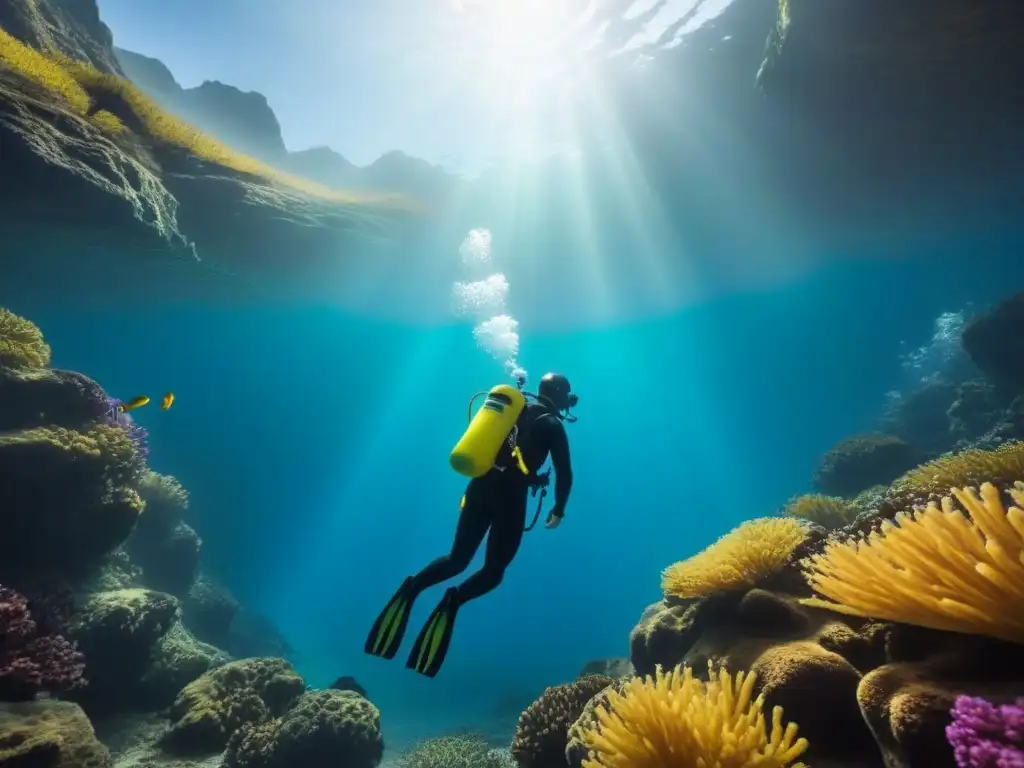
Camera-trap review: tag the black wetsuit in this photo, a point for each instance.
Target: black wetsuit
(497, 502)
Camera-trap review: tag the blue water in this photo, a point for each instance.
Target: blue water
(314, 444)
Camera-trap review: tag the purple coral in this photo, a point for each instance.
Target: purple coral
(984, 735)
(29, 660)
(136, 433)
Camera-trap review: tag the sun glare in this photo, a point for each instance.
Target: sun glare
(522, 50)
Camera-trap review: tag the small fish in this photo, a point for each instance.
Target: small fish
(167, 402)
(131, 405)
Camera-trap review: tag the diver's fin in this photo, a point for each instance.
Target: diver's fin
(387, 632)
(429, 650)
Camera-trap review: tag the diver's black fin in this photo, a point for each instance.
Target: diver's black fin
(387, 632)
(428, 652)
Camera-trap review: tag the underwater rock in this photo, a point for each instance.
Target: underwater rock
(323, 729)
(166, 499)
(115, 571)
(347, 683)
(117, 631)
(994, 342)
(543, 732)
(133, 740)
(167, 554)
(919, 417)
(666, 630)
(807, 661)
(862, 461)
(977, 407)
(49, 734)
(907, 705)
(66, 498)
(576, 750)
(618, 667)
(209, 609)
(253, 634)
(176, 660)
(210, 709)
(864, 693)
(37, 397)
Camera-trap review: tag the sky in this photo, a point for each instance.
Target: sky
(460, 83)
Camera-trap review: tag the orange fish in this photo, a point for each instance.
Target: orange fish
(131, 405)
(167, 402)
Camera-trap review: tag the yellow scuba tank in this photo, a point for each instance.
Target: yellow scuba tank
(475, 453)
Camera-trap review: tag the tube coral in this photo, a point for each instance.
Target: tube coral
(675, 721)
(935, 568)
(750, 552)
(984, 735)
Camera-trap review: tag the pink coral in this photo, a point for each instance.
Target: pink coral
(984, 735)
(29, 660)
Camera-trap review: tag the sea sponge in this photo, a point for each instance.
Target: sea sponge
(750, 552)
(209, 710)
(934, 568)
(935, 479)
(827, 511)
(323, 728)
(543, 730)
(21, 341)
(674, 719)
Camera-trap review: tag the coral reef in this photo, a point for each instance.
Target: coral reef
(21, 343)
(983, 734)
(543, 731)
(210, 709)
(751, 552)
(934, 479)
(94, 546)
(456, 751)
(31, 659)
(936, 568)
(118, 631)
(322, 728)
(829, 512)
(675, 719)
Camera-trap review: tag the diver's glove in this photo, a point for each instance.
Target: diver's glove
(554, 519)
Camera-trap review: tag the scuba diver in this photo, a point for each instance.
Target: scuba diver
(505, 445)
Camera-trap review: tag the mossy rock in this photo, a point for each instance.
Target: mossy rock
(209, 710)
(49, 734)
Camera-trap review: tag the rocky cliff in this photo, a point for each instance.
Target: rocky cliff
(99, 185)
(246, 121)
(839, 127)
(241, 119)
